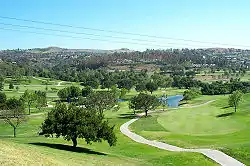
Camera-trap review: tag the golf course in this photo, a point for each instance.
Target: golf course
(28, 148)
(211, 125)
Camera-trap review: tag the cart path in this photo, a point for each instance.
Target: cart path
(216, 155)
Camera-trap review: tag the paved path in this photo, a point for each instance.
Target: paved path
(218, 156)
(59, 83)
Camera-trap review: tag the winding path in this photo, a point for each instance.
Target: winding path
(218, 156)
(59, 83)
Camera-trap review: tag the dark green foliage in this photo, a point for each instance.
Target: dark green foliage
(87, 91)
(92, 83)
(11, 85)
(191, 94)
(125, 83)
(72, 123)
(71, 92)
(2, 98)
(185, 82)
(107, 83)
(12, 111)
(100, 101)
(123, 93)
(29, 97)
(234, 99)
(144, 102)
(218, 87)
(14, 103)
(1, 83)
(151, 86)
(140, 87)
(41, 99)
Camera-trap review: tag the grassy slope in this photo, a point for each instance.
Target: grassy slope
(30, 149)
(200, 127)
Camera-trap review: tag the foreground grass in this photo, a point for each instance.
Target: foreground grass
(30, 149)
(209, 126)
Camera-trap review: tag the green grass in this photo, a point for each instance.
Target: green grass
(51, 150)
(30, 149)
(202, 128)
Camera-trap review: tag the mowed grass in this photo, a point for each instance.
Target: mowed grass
(30, 149)
(209, 126)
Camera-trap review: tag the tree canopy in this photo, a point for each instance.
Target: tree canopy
(234, 99)
(72, 123)
(144, 102)
(13, 113)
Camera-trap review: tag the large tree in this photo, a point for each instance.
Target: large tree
(72, 123)
(144, 102)
(13, 113)
(234, 99)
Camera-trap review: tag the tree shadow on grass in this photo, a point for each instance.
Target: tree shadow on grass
(127, 116)
(225, 114)
(68, 148)
(225, 107)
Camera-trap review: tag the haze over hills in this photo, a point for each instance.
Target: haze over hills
(59, 49)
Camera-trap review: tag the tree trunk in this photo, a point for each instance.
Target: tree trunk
(146, 112)
(234, 108)
(151, 92)
(74, 140)
(29, 109)
(134, 112)
(14, 131)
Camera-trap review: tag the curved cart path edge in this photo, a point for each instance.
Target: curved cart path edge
(216, 155)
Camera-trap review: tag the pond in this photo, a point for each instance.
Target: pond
(171, 101)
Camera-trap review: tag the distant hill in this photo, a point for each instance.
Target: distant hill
(58, 49)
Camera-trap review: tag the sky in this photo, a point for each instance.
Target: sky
(214, 23)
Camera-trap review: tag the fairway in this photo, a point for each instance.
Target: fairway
(209, 126)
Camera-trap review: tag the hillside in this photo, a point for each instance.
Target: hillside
(67, 50)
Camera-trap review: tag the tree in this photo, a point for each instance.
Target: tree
(140, 87)
(72, 123)
(107, 84)
(87, 91)
(115, 91)
(234, 99)
(2, 98)
(63, 93)
(100, 101)
(123, 93)
(41, 99)
(11, 85)
(68, 93)
(144, 102)
(1, 83)
(125, 83)
(151, 86)
(74, 92)
(29, 97)
(191, 94)
(13, 113)
(17, 88)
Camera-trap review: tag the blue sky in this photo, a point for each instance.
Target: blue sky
(220, 21)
